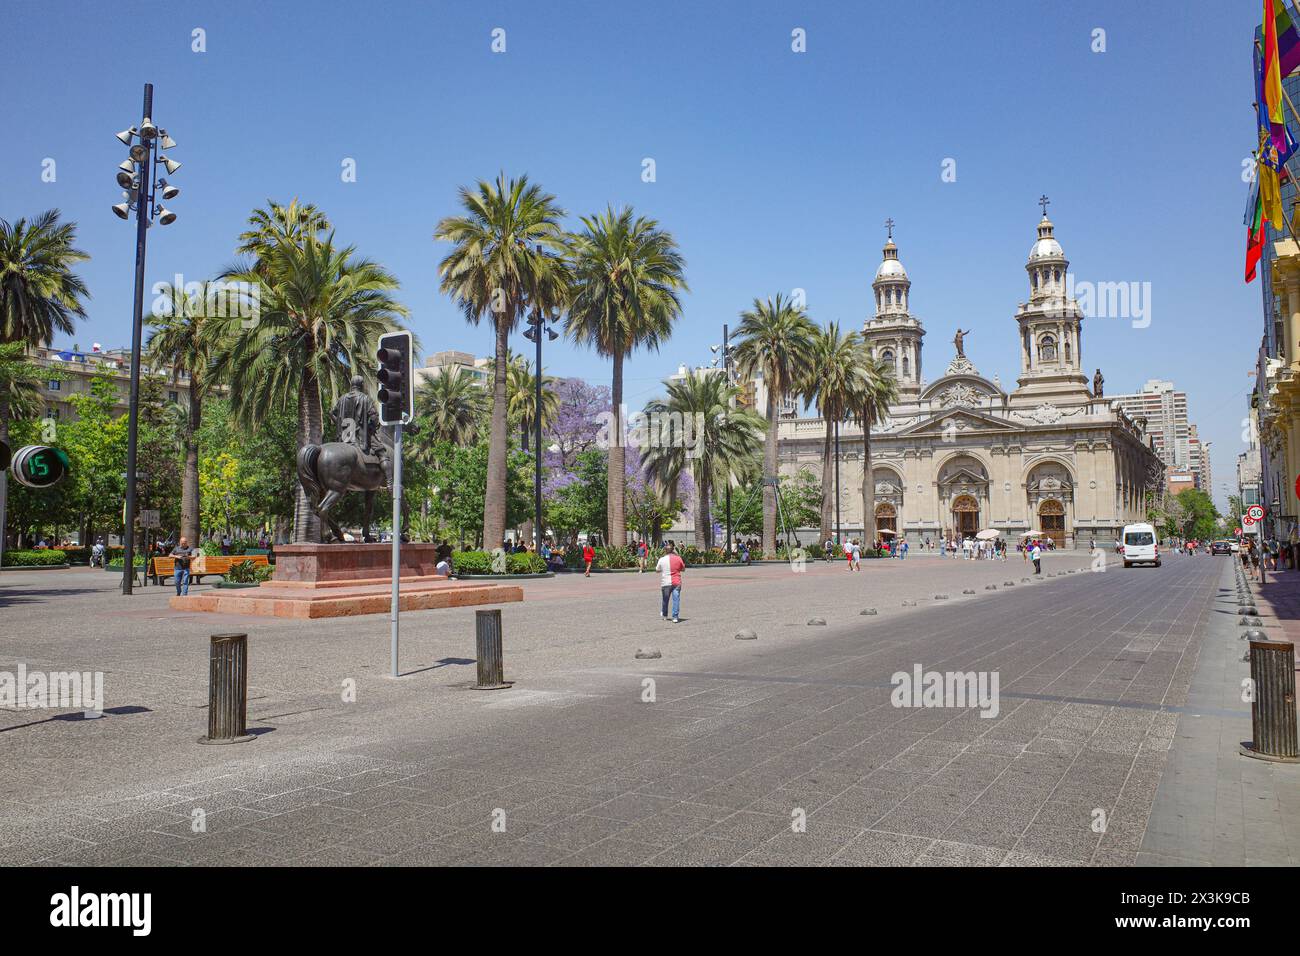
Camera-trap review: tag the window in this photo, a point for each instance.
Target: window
(53, 385)
(173, 397)
(1047, 349)
(1139, 538)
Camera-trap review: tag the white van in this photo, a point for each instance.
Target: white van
(1138, 545)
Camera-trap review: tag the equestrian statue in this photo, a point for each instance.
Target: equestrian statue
(361, 460)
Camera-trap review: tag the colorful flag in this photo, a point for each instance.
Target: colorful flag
(1289, 147)
(1254, 222)
(1271, 102)
(1288, 39)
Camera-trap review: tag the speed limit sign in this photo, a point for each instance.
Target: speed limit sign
(1255, 513)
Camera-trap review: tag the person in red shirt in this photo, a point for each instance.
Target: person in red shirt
(588, 557)
(670, 568)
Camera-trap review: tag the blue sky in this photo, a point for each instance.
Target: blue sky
(775, 169)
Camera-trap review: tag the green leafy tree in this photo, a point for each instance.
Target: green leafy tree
(834, 383)
(461, 481)
(321, 312)
(878, 391)
(716, 447)
(627, 278)
(800, 498)
(506, 255)
(777, 341)
(577, 501)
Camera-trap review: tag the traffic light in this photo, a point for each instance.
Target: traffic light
(396, 390)
(39, 466)
(4, 456)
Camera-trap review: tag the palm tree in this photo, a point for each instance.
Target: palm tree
(878, 391)
(776, 341)
(39, 292)
(521, 403)
(627, 273)
(322, 310)
(20, 381)
(835, 378)
(296, 221)
(506, 256)
(449, 407)
(180, 341)
(722, 441)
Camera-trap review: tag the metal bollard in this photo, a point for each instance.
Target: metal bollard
(1272, 712)
(227, 690)
(487, 640)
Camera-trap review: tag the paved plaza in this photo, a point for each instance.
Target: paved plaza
(1119, 695)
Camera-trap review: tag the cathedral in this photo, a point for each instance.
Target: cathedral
(959, 454)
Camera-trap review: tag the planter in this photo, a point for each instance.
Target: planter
(233, 585)
(36, 567)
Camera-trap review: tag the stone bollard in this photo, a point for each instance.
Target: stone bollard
(487, 641)
(1272, 712)
(868, 612)
(227, 690)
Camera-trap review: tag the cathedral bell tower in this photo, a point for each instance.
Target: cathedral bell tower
(894, 334)
(1050, 323)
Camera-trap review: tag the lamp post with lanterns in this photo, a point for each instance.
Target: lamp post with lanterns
(140, 194)
(539, 327)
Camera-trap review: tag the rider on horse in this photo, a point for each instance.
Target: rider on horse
(357, 420)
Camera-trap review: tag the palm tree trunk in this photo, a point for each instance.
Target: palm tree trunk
(190, 477)
(828, 465)
(617, 478)
(494, 498)
(4, 473)
(769, 472)
(703, 526)
(306, 523)
(868, 484)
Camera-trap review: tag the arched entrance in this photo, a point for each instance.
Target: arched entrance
(886, 517)
(1051, 520)
(965, 516)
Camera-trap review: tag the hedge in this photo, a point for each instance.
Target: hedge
(41, 558)
(480, 562)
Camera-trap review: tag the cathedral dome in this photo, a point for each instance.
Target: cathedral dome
(1046, 246)
(890, 267)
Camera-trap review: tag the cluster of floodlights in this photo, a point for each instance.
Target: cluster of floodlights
(143, 144)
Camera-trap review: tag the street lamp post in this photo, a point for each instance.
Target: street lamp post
(729, 372)
(136, 174)
(538, 329)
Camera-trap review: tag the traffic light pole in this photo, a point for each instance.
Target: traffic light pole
(397, 531)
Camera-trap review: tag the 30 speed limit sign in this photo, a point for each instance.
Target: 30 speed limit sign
(1255, 513)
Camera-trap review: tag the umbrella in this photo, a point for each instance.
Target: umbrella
(885, 531)
(1032, 534)
(988, 534)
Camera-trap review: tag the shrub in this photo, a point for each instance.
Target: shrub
(43, 558)
(246, 572)
(480, 562)
(526, 563)
(613, 557)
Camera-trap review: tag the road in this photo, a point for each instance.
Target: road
(782, 750)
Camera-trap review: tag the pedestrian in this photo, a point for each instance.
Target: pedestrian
(642, 552)
(670, 568)
(588, 558)
(902, 550)
(855, 555)
(744, 552)
(1036, 555)
(182, 554)
(830, 549)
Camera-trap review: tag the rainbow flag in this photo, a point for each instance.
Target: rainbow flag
(1288, 38)
(1254, 222)
(1271, 103)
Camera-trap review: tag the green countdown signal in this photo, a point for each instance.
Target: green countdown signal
(39, 466)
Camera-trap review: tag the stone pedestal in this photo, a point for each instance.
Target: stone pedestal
(320, 564)
(341, 580)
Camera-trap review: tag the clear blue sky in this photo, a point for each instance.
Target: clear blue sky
(775, 170)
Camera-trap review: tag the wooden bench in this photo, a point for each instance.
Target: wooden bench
(209, 564)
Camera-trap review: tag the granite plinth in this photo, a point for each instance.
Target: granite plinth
(319, 563)
(316, 600)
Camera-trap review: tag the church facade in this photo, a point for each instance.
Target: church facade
(960, 454)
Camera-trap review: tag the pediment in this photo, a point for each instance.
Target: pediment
(962, 421)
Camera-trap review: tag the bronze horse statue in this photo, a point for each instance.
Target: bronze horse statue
(328, 472)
